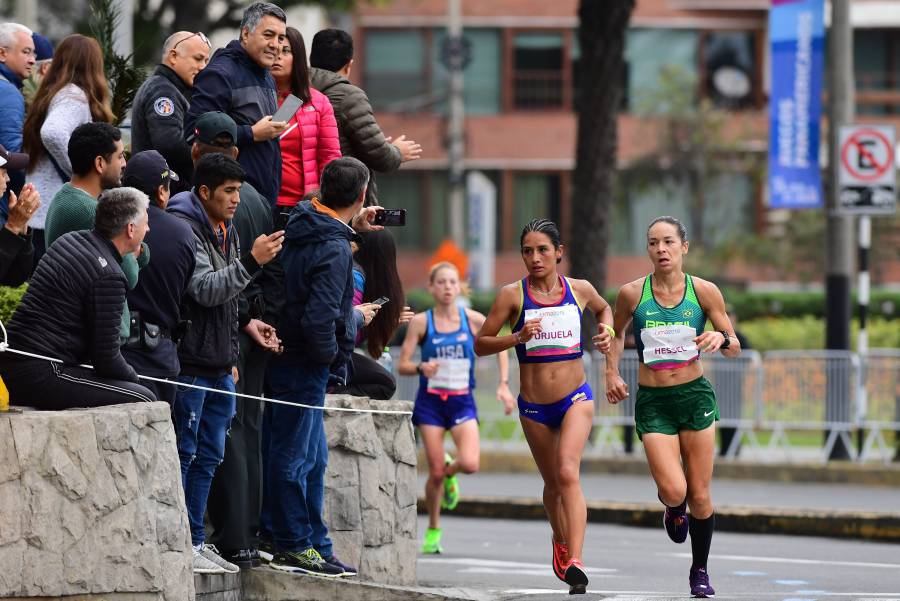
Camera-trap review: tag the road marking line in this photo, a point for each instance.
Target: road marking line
(818, 562)
(643, 595)
(493, 563)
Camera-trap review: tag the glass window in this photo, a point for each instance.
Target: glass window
(729, 64)
(395, 67)
(876, 64)
(536, 195)
(537, 70)
(404, 189)
(645, 61)
(481, 78)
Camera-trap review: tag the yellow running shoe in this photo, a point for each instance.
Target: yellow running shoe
(432, 543)
(451, 488)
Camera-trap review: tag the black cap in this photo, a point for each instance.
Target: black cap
(211, 125)
(17, 161)
(147, 171)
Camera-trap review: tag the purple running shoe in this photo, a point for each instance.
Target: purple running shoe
(700, 586)
(676, 524)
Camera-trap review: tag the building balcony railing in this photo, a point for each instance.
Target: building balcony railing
(538, 88)
(878, 92)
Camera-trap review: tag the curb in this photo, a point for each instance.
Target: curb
(266, 584)
(834, 473)
(860, 525)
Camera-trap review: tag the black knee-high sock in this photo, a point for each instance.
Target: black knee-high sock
(701, 538)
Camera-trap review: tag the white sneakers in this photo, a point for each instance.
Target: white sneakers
(207, 561)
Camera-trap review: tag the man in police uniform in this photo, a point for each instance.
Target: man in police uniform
(157, 121)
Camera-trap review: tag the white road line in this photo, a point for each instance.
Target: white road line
(818, 562)
(493, 563)
(641, 595)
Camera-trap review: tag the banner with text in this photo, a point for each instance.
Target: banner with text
(797, 39)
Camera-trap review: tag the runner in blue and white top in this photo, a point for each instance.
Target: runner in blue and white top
(445, 400)
(556, 405)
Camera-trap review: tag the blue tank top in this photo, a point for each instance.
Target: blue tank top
(456, 353)
(561, 322)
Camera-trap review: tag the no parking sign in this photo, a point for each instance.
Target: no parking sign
(867, 173)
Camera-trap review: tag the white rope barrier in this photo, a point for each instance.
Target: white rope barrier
(5, 348)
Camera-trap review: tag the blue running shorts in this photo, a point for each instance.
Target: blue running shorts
(552, 414)
(430, 410)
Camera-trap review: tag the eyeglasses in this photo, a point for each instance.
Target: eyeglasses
(199, 33)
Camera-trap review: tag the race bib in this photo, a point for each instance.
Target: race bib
(451, 379)
(666, 347)
(560, 331)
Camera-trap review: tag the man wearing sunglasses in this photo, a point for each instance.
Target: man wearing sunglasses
(162, 102)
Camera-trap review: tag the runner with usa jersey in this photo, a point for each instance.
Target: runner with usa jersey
(556, 405)
(445, 400)
(675, 410)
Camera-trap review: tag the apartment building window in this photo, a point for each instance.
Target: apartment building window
(396, 68)
(876, 60)
(646, 62)
(481, 78)
(538, 72)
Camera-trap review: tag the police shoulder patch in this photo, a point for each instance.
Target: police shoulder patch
(163, 106)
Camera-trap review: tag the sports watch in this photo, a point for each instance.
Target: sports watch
(727, 342)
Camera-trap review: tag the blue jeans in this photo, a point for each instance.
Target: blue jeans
(201, 421)
(295, 456)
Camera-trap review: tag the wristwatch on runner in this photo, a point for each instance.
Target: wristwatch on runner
(727, 342)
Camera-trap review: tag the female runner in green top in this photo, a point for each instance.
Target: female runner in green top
(675, 410)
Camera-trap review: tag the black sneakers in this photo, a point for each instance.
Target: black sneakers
(348, 570)
(243, 558)
(305, 562)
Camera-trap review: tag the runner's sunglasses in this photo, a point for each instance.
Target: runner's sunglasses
(199, 33)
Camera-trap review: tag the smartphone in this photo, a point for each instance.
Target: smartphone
(288, 108)
(390, 217)
(381, 301)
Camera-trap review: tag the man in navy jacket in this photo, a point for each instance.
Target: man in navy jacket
(317, 329)
(16, 61)
(237, 82)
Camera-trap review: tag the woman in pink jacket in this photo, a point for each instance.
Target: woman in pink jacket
(311, 140)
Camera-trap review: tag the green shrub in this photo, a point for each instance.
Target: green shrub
(774, 333)
(9, 300)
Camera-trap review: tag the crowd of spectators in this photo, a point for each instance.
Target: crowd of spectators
(214, 256)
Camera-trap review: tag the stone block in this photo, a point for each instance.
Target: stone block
(358, 435)
(342, 505)
(348, 545)
(405, 444)
(9, 460)
(378, 523)
(342, 470)
(407, 484)
(96, 509)
(406, 524)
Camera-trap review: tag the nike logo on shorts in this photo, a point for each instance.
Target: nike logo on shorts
(460, 420)
(709, 413)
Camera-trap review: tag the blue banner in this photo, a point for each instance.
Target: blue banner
(797, 39)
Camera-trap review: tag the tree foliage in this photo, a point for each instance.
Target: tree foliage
(124, 78)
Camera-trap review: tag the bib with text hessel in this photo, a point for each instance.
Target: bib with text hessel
(666, 347)
(560, 331)
(451, 379)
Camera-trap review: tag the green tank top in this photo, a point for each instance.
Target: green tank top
(664, 336)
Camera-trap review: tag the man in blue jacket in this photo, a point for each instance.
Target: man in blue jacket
(237, 82)
(317, 329)
(16, 61)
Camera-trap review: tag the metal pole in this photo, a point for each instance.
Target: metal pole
(26, 13)
(124, 40)
(862, 341)
(839, 229)
(456, 124)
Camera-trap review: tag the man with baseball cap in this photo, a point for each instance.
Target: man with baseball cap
(234, 501)
(43, 56)
(155, 302)
(16, 249)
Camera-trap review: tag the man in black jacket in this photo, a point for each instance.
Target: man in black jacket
(71, 312)
(161, 104)
(318, 329)
(237, 82)
(155, 302)
(331, 59)
(209, 350)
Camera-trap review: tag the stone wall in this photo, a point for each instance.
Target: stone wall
(370, 494)
(91, 504)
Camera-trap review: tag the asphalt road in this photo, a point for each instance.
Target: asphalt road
(504, 560)
(626, 488)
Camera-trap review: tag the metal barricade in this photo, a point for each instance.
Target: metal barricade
(809, 390)
(881, 411)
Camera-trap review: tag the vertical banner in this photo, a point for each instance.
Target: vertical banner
(482, 196)
(797, 38)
